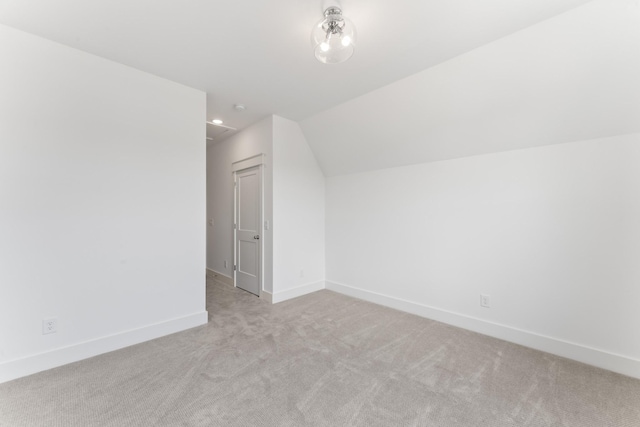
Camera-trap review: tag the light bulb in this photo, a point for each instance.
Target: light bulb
(216, 121)
(334, 37)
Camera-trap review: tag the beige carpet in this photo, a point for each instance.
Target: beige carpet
(321, 360)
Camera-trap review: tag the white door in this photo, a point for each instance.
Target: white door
(247, 223)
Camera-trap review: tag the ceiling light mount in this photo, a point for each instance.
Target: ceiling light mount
(334, 37)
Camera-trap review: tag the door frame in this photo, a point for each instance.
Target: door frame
(236, 167)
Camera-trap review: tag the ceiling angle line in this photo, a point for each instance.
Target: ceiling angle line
(221, 126)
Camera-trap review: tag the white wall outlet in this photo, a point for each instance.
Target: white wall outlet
(210, 222)
(485, 301)
(266, 224)
(49, 326)
(225, 263)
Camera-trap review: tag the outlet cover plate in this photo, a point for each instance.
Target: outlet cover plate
(49, 326)
(485, 301)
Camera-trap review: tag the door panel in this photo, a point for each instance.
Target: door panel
(247, 192)
(248, 260)
(248, 237)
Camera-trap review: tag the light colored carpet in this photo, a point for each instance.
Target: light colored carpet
(321, 360)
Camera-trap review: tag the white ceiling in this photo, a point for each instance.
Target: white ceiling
(258, 52)
(570, 78)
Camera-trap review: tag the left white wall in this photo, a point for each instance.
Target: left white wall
(102, 214)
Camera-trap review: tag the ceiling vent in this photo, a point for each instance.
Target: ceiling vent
(217, 132)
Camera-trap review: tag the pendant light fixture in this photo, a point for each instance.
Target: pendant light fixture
(333, 38)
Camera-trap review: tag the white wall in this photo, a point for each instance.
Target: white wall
(254, 140)
(102, 190)
(298, 213)
(550, 233)
(293, 205)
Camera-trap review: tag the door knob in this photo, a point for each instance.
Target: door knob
(257, 237)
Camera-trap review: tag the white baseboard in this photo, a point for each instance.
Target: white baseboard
(591, 356)
(22, 367)
(298, 291)
(267, 296)
(220, 277)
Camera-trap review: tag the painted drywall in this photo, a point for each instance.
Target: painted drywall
(570, 78)
(551, 234)
(298, 214)
(256, 139)
(102, 214)
(293, 206)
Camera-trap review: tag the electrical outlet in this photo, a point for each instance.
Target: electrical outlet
(225, 263)
(485, 301)
(210, 222)
(49, 326)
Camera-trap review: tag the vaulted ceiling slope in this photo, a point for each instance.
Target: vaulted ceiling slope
(258, 52)
(573, 77)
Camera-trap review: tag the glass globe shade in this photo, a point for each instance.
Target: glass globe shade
(333, 38)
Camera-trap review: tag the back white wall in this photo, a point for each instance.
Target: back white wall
(102, 214)
(550, 233)
(298, 213)
(293, 205)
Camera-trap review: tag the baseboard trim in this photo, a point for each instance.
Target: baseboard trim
(267, 296)
(24, 366)
(298, 291)
(220, 277)
(602, 359)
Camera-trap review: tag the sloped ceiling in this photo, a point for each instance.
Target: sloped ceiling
(258, 52)
(430, 79)
(573, 77)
